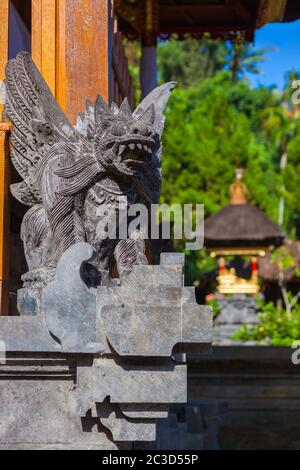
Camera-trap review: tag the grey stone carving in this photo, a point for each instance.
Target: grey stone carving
(73, 175)
(91, 362)
(121, 353)
(38, 406)
(70, 306)
(155, 322)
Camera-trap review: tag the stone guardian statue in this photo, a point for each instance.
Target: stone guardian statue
(72, 175)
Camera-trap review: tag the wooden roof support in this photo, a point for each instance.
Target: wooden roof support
(43, 43)
(271, 11)
(4, 172)
(72, 46)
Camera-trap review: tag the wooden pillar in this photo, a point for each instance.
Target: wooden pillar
(43, 39)
(148, 66)
(4, 170)
(148, 71)
(72, 46)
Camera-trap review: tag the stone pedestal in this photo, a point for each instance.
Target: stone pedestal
(38, 406)
(95, 368)
(235, 311)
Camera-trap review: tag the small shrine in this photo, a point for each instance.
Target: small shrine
(238, 235)
(240, 230)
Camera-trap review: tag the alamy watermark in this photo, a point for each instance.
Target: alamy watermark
(296, 93)
(157, 221)
(296, 354)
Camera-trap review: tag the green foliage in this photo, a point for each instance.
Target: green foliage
(281, 124)
(283, 257)
(276, 328)
(207, 136)
(291, 179)
(215, 307)
(190, 61)
(212, 129)
(243, 58)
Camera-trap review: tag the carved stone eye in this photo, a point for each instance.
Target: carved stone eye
(142, 129)
(119, 129)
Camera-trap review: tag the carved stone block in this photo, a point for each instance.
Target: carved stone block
(129, 379)
(165, 315)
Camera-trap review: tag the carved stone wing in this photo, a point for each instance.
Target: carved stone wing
(38, 124)
(150, 183)
(158, 98)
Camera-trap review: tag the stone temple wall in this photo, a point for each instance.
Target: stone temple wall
(260, 388)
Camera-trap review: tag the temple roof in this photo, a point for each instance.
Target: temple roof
(221, 18)
(194, 17)
(292, 10)
(241, 225)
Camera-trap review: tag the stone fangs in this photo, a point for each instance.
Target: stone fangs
(132, 146)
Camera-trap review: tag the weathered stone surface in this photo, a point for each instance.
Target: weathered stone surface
(121, 389)
(133, 407)
(144, 410)
(122, 428)
(27, 333)
(172, 259)
(165, 383)
(38, 407)
(165, 315)
(140, 383)
(196, 320)
(30, 301)
(70, 307)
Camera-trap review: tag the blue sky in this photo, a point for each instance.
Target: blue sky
(284, 39)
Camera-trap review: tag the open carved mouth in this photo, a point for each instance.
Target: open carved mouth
(134, 148)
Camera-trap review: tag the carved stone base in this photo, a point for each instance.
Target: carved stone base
(95, 368)
(38, 407)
